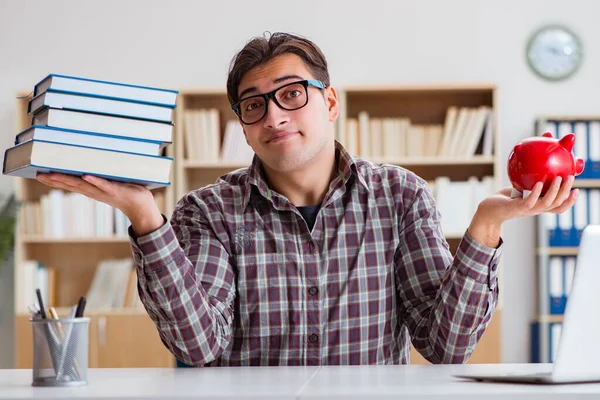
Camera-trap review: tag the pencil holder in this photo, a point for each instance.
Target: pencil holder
(60, 351)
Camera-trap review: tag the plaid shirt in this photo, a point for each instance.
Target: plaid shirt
(237, 278)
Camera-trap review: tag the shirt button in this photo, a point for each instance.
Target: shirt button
(313, 290)
(313, 338)
(494, 265)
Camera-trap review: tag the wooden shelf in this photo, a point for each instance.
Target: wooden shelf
(422, 87)
(74, 240)
(569, 117)
(549, 318)
(587, 183)
(558, 251)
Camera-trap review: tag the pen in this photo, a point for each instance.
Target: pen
(39, 297)
(80, 307)
(54, 315)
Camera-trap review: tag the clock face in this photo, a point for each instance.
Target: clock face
(554, 52)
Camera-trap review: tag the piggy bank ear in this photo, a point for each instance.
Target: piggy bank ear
(547, 134)
(567, 141)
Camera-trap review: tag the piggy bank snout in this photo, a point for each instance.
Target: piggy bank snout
(579, 165)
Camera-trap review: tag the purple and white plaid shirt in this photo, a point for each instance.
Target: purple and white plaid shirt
(237, 278)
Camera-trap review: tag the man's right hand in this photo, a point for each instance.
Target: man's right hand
(135, 201)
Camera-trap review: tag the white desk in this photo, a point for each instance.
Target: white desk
(364, 382)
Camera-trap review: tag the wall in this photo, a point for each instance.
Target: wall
(189, 44)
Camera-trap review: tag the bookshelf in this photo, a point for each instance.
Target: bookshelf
(197, 170)
(422, 105)
(123, 337)
(558, 236)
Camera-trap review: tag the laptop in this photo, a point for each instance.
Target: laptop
(578, 356)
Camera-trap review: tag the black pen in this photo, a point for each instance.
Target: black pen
(80, 307)
(39, 297)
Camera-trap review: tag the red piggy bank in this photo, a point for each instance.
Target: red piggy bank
(541, 159)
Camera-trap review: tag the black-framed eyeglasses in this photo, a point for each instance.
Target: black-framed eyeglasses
(290, 97)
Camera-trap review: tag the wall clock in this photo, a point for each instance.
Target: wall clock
(554, 52)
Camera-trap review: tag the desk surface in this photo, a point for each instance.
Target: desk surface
(347, 382)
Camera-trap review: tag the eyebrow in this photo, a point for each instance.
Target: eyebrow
(278, 80)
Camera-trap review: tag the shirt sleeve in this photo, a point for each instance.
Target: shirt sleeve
(186, 284)
(446, 303)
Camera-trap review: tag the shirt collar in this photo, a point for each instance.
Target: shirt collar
(346, 168)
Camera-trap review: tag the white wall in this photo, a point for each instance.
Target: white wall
(181, 44)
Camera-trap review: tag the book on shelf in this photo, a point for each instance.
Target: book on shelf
(448, 193)
(36, 156)
(71, 215)
(466, 132)
(116, 90)
(83, 126)
(538, 354)
(34, 275)
(202, 138)
(114, 285)
(109, 125)
(89, 139)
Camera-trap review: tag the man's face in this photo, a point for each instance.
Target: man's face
(288, 140)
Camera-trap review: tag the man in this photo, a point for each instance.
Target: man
(310, 256)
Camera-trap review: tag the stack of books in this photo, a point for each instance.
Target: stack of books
(83, 126)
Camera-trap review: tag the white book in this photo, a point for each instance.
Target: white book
(556, 277)
(565, 220)
(555, 333)
(462, 122)
(376, 139)
(352, 132)
(101, 124)
(448, 132)
(106, 88)
(549, 126)
(550, 221)
(89, 140)
(477, 131)
(364, 134)
(564, 127)
(594, 137)
(581, 136)
(570, 263)
(390, 140)
(99, 105)
(488, 134)
(27, 159)
(594, 201)
(215, 134)
(57, 228)
(580, 210)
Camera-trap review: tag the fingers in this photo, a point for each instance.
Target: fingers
(568, 203)
(532, 200)
(70, 183)
(564, 192)
(103, 184)
(548, 199)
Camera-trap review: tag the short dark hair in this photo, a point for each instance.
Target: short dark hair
(260, 50)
